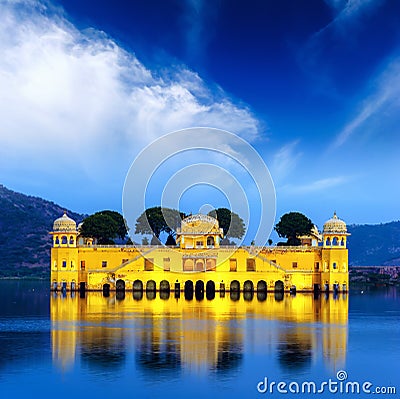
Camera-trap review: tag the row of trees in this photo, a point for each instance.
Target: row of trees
(106, 226)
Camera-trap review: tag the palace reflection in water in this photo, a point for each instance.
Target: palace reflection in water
(198, 335)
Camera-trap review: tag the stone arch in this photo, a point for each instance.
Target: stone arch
(235, 286)
(210, 241)
(210, 289)
(279, 286)
(211, 263)
(335, 241)
(248, 286)
(151, 286)
(188, 265)
(199, 290)
(164, 286)
(262, 286)
(188, 285)
(71, 240)
(188, 290)
(120, 285)
(137, 285)
(210, 286)
(199, 287)
(199, 265)
(64, 240)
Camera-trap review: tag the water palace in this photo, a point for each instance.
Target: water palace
(199, 262)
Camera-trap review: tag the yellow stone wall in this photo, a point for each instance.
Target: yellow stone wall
(294, 266)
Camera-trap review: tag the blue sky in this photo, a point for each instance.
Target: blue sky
(314, 86)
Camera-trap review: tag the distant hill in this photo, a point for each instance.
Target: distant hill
(374, 245)
(25, 223)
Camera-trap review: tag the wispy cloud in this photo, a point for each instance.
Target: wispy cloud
(314, 186)
(77, 101)
(199, 21)
(386, 93)
(347, 11)
(285, 160)
(334, 39)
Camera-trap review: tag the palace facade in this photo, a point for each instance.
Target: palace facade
(199, 262)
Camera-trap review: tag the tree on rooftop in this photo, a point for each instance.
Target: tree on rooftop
(101, 227)
(156, 220)
(292, 225)
(230, 222)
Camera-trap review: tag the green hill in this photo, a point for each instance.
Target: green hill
(25, 222)
(374, 244)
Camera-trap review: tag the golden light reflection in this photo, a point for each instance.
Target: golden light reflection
(174, 333)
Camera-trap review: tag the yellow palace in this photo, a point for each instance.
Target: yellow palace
(199, 262)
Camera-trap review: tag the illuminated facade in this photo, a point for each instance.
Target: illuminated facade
(199, 262)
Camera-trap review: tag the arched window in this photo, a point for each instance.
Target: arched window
(64, 240)
(57, 241)
(334, 265)
(342, 242)
(71, 240)
(328, 241)
(335, 241)
(210, 241)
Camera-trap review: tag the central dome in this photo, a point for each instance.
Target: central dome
(64, 224)
(335, 225)
(199, 224)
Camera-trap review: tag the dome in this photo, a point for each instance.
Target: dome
(64, 224)
(335, 225)
(200, 224)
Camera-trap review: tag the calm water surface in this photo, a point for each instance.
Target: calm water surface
(67, 346)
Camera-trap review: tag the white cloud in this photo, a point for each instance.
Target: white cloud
(285, 160)
(386, 93)
(348, 10)
(315, 186)
(199, 21)
(75, 98)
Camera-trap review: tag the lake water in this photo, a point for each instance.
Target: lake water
(65, 346)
